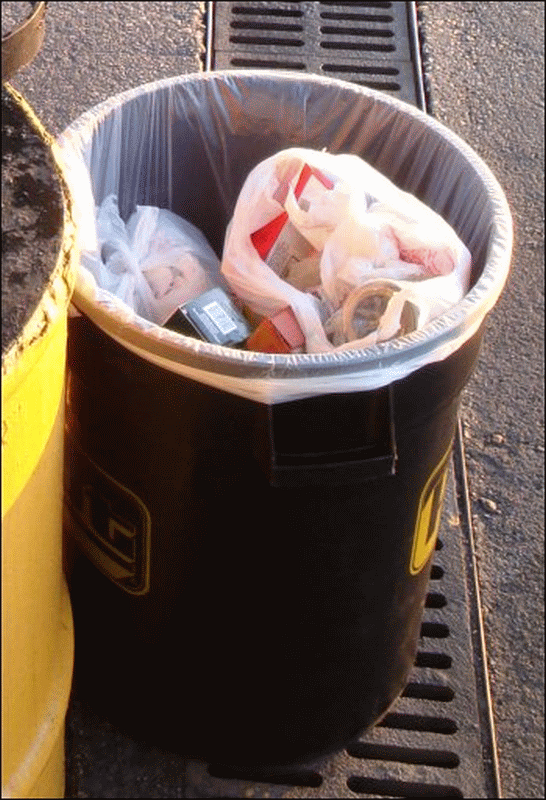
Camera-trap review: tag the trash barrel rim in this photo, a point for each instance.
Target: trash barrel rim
(458, 323)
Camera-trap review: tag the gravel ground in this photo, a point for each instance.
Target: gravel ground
(94, 50)
(486, 76)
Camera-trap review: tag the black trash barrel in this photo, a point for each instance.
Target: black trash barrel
(258, 529)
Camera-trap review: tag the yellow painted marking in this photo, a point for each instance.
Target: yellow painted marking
(428, 516)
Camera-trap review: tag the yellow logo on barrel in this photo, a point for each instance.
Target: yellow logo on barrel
(428, 516)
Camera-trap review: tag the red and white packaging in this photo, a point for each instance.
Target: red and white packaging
(278, 334)
(279, 243)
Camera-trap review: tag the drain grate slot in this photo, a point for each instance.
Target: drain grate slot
(435, 660)
(265, 11)
(405, 755)
(336, 15)
(367, 43)
(429, 691)
(365, 46)
(435, 600)
(335, 29)
(416, 722)
(264, 26)
(267, 40)
(434, 630)
(261, 63)
(358, 70)
(361, 5)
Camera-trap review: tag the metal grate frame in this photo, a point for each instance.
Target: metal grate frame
(365, 43)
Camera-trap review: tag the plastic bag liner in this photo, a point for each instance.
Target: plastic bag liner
(187, 144)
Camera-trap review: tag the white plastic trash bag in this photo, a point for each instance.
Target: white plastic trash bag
(310, 228)
(154, 263)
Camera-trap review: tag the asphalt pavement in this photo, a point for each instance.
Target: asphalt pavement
(485, 68)
(486, 76)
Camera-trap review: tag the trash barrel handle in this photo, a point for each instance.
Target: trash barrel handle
(374, 457)
(332, 473)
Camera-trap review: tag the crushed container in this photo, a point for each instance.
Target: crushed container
(257, 529)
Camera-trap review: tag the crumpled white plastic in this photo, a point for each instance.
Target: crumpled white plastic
(154, 263)
(364, 229)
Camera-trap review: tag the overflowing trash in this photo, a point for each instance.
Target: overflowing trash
(322, 253)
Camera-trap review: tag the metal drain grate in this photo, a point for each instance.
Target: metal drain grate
(430, 743)
(437, 740)
(367, 43)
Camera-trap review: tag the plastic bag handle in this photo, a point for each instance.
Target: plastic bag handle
(340, 455)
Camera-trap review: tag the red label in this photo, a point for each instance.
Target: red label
(305, 174)
(264, 239)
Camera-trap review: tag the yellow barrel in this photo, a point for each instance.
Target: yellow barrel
(37, 631)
